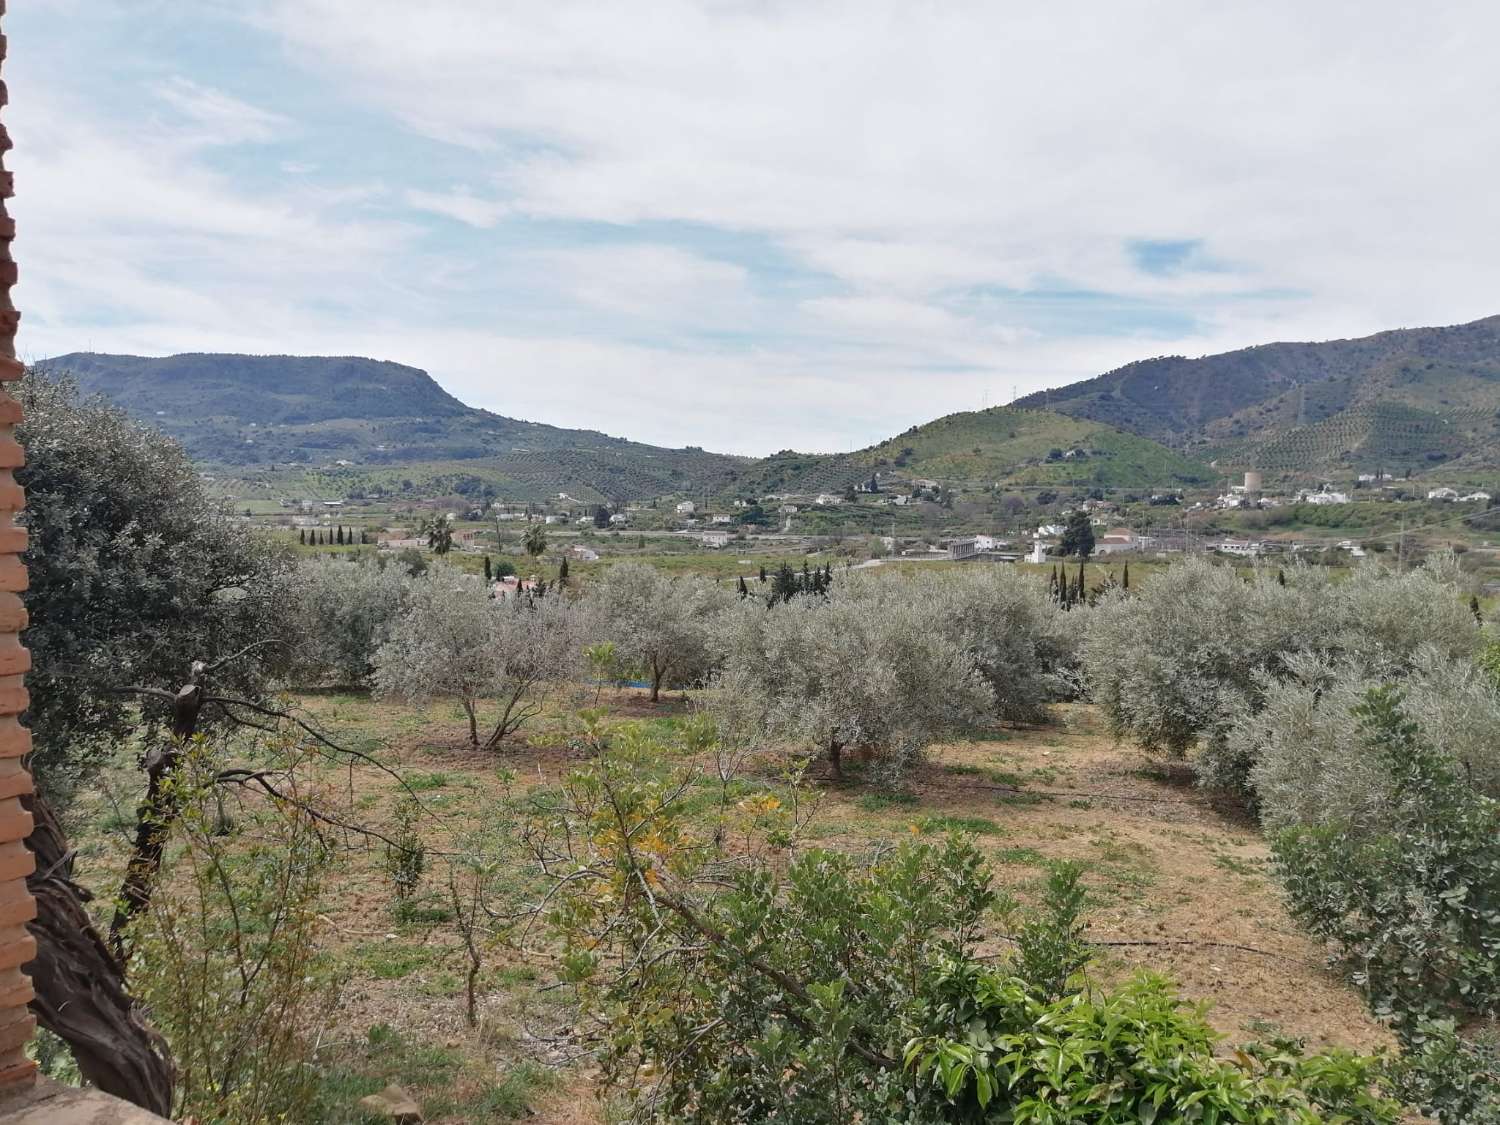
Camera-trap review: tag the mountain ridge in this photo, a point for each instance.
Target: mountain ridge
(1308, 407)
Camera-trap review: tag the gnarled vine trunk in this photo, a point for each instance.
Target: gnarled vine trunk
(80, 984)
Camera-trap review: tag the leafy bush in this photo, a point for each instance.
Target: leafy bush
(225, 958)
(821, 988)
(1412, 904)
(406, 853)
(1454, 1079)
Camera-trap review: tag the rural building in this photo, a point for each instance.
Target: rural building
(686, 508)
(963, 547)
(715, 539)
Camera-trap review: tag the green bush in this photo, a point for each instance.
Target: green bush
(1414, 908)
(817, 987)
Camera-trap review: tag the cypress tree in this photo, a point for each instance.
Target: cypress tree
(488, 573)
(562, 572)
(1280, 577)
(1125, 578)
(762, 572)
(1474, 608)
(302, 536)
(744, 590)
(339, 535)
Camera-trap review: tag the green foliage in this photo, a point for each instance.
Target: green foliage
(134, 574)
(1078, 535)
(1455, 1079)
(225, 959)
(406, 854)
(1050, 947)
(777, 985)
(1414, 908)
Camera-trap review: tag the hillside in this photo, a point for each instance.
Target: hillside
(1406, 399)
(1003, 445)
(248, 413)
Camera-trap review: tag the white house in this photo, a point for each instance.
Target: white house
(1039, 551)
(900, 499)
(1325, 496)
(1476, 496)
(582, 554)
(1242, 548)
(716, 539)
(826, 498)
(722, 518)
(686, 508)
(989, 542)
(1442, 493)
(1115, 541)
(619, 519)
(789, 509)
(1050, 530)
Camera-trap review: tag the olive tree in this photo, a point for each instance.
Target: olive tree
(135, 572)
(343, 611)
(1189, 655)
(454, 641)
(661, 624)
(853, 671)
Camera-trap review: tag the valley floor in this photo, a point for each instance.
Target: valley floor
(1178, 885)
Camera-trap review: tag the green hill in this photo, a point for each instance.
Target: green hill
(1003, 445)
(1407, 399)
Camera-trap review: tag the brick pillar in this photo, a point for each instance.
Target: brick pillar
(16, 904)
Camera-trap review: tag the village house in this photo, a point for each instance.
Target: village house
(1049, 531)
(1444, 493)
(686, 508)
(619, 519)
(581, 553)
(963, 547)
(1116, 541)
(715, 539)
(826, 498)
(1476, 496)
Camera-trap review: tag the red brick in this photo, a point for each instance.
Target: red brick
(14, 697)
(16, 862)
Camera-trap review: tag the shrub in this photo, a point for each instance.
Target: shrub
(1446, 1076)
(225, 959)
(1412, 903)
(830, 988)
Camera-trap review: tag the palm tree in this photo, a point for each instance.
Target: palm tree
(438, 531)
(535, 540)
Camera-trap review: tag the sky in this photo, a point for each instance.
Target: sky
(748, 226)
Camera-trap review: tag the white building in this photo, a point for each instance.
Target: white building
(1442, 493)
(963, 547)
(619, 519)
(722, 519)
(1116, 541)
(1476, 496)
(715, 539)
(582, 554)
(686, 508)
(1039, 551)
(826, 498)
(1050, 530)
(1242, 548)
(1325, 496)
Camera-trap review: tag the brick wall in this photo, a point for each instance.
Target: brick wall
(16, 905)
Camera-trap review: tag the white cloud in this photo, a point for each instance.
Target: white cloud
(220, 117)
(685, 215)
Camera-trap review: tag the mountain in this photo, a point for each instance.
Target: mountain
(389, 420)
(401, 432)
(1407, 399)
(1004, 445)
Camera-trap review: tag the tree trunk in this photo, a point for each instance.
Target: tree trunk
(153, 824)
(656, 678)
(836, 758)
(473, 723)
(80, 985)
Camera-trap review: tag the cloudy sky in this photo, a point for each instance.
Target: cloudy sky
(748, 225)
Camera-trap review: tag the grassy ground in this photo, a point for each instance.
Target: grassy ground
(1166, 868)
